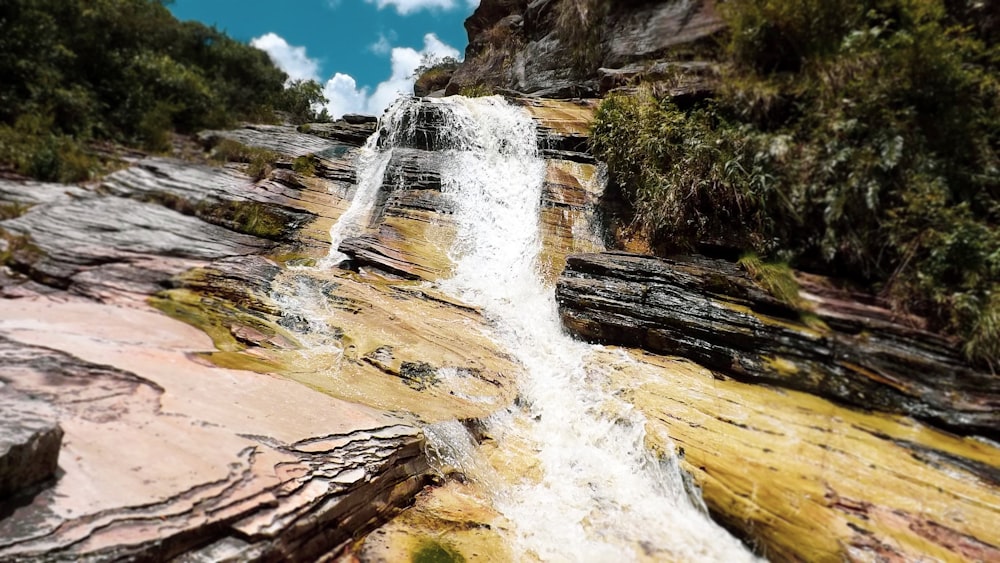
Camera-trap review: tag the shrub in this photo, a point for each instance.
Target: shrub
(260, 162)
(475, 91)
(850, 136)
(305, 165)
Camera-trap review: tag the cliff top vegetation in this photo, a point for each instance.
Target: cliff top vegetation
(124, 71)
(859, 138)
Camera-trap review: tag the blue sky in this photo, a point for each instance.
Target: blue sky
(362, 51)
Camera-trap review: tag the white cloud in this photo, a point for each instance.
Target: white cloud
(293, 60)
(405, 7)
(346, 97)
(384, 43)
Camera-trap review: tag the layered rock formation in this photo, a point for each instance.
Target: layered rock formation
(167, 453)
(712, 312)
(284, 415)
(30, 437)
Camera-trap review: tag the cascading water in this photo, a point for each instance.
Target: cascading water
(601, 496)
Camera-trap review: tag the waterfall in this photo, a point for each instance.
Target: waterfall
(600, 495)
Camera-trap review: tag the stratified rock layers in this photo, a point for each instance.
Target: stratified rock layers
(165, 455)
(711, 312)
(800, 477)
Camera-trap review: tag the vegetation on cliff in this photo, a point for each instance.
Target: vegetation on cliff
(125, 71)
(854, 137)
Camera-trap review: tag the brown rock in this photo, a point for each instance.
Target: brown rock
(164, 455)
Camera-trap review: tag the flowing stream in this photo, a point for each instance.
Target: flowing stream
(599, 494)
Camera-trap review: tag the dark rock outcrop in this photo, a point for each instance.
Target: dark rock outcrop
(352, 129)
(518, 46)
(30, 437)
(710, 311)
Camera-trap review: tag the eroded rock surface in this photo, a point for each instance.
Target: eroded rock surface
(165, 455)
(580, 49)
(804, 479)
(710, 311)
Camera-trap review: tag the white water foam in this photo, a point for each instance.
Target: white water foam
(602, 496)
(373, 158)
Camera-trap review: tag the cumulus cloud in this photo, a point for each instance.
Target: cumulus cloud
(346, 97)
(405, 7)
(342, 90)
(293, 60)
(383, 45)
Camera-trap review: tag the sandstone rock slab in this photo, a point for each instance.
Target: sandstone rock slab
(165, 455)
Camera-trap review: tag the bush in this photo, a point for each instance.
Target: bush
(260, 162)
(850, 136)
(124, 71)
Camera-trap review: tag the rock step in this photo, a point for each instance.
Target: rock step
(710, 311)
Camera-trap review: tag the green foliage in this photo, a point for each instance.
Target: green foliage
(260, 162)
(776, 278)
(305, 165)
(692, 174)
(300, 99)
(120, 70)
(434, 75)
(431, 65)
(858, 136)
(475, 91)
(31, 149)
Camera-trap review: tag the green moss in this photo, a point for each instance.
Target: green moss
(260, 162)
(776, 278)
(431, 551)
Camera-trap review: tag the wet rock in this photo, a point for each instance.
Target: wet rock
(358, 119)
(805, 479)
(164, 455)
(30, 438)
(710, 311)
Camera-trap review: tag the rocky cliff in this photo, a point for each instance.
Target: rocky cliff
(582, 48)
